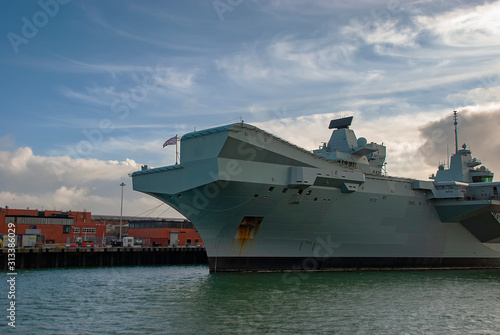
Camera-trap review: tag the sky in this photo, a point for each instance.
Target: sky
(91, 89)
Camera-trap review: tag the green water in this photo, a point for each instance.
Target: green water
(190, 300)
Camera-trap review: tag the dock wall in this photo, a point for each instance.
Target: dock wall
(34, 258)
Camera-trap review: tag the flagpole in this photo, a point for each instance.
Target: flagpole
(176, 152)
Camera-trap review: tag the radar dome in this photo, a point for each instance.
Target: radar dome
(362, 142)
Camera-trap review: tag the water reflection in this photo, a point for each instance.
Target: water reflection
(190, 300)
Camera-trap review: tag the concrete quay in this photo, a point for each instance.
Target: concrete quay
(66, 257)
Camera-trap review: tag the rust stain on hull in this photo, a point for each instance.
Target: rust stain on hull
(246, 232)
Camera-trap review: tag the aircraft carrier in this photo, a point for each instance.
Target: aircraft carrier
(261, 203)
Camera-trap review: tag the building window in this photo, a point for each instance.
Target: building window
(89, 230)
(66, 229)
(76, 230)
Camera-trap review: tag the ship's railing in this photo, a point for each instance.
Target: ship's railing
(481, 169)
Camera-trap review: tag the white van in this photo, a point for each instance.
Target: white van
(128, 241)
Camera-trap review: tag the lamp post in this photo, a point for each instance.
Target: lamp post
(121, 213)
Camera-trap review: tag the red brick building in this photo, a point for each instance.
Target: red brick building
(38, 228)
(165, 232)
(35, 228)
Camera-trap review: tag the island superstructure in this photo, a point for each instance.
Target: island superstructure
(261, 203)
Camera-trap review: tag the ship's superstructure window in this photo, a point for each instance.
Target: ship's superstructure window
(308, 192)
(285, 190)
(482, 179)
(271, 189)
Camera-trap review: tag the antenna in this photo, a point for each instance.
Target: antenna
(448, 155)
(455, 117)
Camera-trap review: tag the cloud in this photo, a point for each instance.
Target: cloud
(17, 163)
(320, 7)
(248, 65)
(477, 128)
(99, 96)
(140, 81)
(289, 60)
(416, 142)
(486, 95)
(386, 31)
(61, 182)
(6, 142)
(470, 27)
(413, 51)
(105, 25)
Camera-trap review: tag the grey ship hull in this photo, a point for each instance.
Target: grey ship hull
(262, 204)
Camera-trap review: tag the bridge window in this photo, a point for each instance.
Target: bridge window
(482, 179)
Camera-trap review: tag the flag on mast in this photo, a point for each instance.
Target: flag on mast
(170, 141)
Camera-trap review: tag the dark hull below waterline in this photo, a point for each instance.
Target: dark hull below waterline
(277, 264)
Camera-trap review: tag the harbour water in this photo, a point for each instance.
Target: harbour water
(190, 300)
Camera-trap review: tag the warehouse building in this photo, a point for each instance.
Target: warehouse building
(49, 227)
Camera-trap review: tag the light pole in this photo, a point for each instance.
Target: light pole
(121, 212)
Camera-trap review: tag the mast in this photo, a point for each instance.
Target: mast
(455, 117)
(176, 150)
(448, 155)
